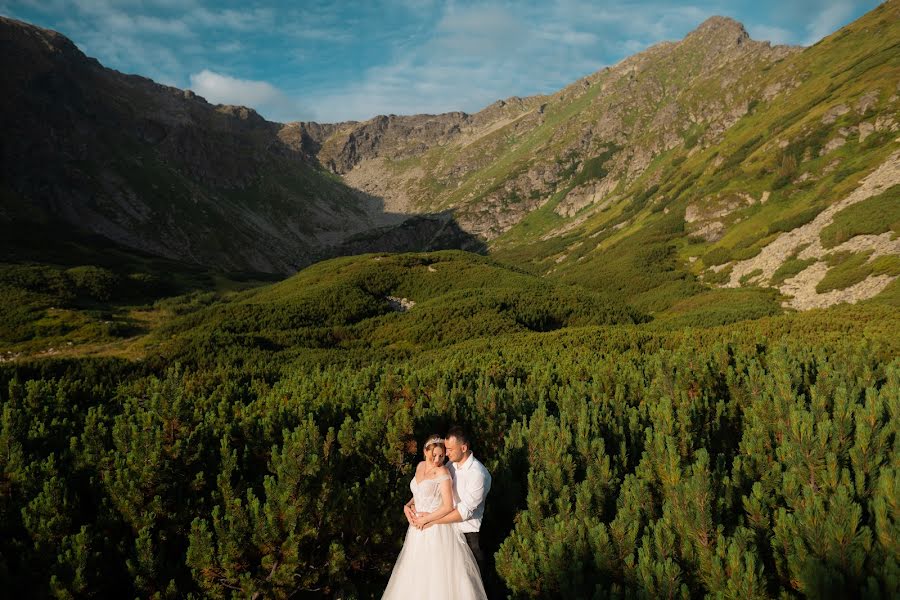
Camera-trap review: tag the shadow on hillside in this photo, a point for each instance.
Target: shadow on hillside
(415, 233)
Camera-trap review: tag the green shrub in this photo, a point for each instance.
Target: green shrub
(601, 441)
(593, 167)
(789, 268)
(721, 307)
(93, 282)
(717, 256)
(745, 253)
(745, 279)
(40, 279)
(786, 171)
(848, 269)
(873, 215)
(740, 154)
(718, 277)
(794, 221)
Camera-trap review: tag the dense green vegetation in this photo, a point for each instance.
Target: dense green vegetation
(850, 268)
(265, 443)
(340, 310)
(63, 290)
(874, 215)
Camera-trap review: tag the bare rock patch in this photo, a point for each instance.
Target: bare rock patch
(805, 243)
(400, 304)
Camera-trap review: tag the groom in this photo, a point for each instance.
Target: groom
(471, 484)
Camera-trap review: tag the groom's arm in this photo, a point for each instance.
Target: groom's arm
(470, 498)
(452, 517)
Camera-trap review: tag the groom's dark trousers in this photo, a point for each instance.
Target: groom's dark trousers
(487, 575)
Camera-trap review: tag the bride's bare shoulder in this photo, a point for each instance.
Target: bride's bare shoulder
(441, 471)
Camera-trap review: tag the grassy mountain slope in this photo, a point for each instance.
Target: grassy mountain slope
(386, 305)
(653, 177)
(67, 293)
(775, 170)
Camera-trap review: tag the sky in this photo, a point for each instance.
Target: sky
(331, 61)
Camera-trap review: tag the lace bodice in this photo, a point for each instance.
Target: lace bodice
(427, 493)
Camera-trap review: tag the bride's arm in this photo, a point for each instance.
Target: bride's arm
(444, 509)
(409, 509)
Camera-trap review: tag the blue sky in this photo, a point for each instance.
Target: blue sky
(334, 61)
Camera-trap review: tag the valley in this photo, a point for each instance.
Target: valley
(664, 300)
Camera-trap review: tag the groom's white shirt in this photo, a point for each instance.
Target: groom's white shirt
(471, 484)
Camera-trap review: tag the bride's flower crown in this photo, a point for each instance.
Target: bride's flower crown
(434, 440)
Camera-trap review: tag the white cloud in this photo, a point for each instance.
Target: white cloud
(236, 20)
(478, 53)
(649, 22)
(473, 56)
(230, 47)
(578, 38)
(429, 56)
(416, 5)
(160, 62)
(480, 30)
(45, 6)
(827, 20)
(771, 33)
(124, 23)
(323, 34)
(262, 96)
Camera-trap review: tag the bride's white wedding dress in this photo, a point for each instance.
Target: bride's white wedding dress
(435, 563)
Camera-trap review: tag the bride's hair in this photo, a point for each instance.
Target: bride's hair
(434, 440)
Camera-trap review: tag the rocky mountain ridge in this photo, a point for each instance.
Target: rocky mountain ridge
(627, 114)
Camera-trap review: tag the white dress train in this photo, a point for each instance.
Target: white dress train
(435, 563)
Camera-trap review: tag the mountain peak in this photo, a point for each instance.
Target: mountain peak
(722, 30)
(45, 40)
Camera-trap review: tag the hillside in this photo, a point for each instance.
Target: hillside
(88, 150)
(662, 173)
(266, 440)
(375, 307)
(498, 165)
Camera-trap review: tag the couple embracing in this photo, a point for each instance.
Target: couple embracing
(441, 556)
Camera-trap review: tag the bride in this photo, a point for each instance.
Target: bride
(435, 562)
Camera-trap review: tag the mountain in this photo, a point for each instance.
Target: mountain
(160, 170)
(498, 165)
(713, 161)
(696, 168)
